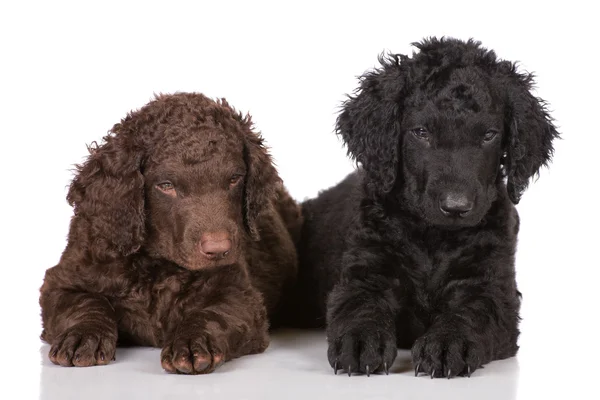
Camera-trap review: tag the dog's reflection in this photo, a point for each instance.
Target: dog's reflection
(293, 367)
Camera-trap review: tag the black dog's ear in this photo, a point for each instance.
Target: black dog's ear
(370, 119)
(530, 133)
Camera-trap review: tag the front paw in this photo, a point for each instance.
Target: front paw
(362, 349)
(83, 346)
(446, 355)
(192, 354)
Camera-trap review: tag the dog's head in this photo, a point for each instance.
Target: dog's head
(184, 178)
(441, 130)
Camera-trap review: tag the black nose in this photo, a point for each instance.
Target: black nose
(455, 204)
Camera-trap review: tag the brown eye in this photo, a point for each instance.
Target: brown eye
(234, 180)
(489, 136)
(167, 188)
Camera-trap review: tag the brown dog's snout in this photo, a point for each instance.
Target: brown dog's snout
(215, 245)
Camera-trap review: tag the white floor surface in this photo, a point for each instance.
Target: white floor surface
(293, 367)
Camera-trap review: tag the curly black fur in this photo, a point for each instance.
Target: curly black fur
(416, 249)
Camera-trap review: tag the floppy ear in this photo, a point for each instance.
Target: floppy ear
(262, 181)
(370, 120)
(530, 134)
(107, 194)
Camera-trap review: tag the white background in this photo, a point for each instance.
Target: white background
(69, 71)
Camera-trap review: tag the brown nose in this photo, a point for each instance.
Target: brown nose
(215, 244)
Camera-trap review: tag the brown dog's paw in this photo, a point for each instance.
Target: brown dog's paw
(83, 347)
(192, 355)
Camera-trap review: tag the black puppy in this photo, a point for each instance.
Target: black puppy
(417, 247)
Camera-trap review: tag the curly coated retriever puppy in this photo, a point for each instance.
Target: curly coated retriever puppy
(417, 248)
(182, 238)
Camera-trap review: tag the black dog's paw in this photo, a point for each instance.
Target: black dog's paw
(445, 355)
(362, 350)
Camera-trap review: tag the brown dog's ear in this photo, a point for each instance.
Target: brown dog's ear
(262, 181)
(107, 195)
(530, 133)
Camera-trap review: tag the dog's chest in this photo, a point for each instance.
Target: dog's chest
(423, 271)
(154, 303)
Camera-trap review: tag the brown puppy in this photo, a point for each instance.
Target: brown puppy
(182, 238)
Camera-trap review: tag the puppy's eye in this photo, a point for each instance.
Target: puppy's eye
(235, 179)
(166, 187)
(421, 133)
(489, 136)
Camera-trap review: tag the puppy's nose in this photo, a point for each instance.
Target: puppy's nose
(455, 204)
(214, 245)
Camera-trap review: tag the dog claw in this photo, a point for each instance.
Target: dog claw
(468, 371)
(349, 370)
(417, 369)
(335, 368)
(449, 374)
(368, 374)
(385, 368)
(432, 374)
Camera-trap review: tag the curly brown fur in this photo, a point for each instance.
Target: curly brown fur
(181, 238)
(417, 247)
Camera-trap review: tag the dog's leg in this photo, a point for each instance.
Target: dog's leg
(361, 312)
(228, 322)
(480, 324)
(80, 327)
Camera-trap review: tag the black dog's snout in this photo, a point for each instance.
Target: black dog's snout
(455, 204)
